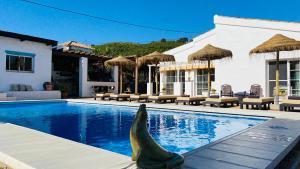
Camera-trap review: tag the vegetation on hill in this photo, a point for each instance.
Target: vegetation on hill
(127, 49)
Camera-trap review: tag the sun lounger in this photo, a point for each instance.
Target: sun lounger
(260, 103)
(290, 103)
(162, 99)
(138, 98)
(119, 97)
(102, 96)
(193, 100)
(222, 101)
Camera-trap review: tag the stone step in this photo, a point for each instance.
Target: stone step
(8, 99)
(3, 95)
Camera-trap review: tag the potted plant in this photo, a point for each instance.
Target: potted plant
(48, 86)
(213, 91)
(163, 91)
(64, 90)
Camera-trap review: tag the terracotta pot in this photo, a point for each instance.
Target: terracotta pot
(49, 87)
(64, 95)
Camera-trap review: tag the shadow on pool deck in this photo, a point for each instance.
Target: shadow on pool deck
(292, 160)
(265, 146)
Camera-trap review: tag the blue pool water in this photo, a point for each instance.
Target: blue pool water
(107, 126)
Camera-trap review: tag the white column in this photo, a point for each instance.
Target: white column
(194, 82)
(149, 84)
(162, 81)
(149, 74)
(83, 87)
(178, 85)
(190, 84)
(116, 78)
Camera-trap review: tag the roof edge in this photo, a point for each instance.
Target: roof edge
(23, 37)
(257, 23)
(190, 44)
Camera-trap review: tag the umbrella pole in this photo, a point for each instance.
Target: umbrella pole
(277, 79)
(121, 79)
(136, 86)
(208, 79)
(156, 80)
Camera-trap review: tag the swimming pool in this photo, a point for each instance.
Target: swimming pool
(107, 126)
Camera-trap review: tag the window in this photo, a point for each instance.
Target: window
(283, 81)
(182, 79)
(171, 76)
(202, 80)
(295, 78)
(19, 63)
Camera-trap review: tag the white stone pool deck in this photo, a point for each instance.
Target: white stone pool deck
(263, 146)
(29, 149)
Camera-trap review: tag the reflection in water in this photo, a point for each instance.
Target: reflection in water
(108, 127)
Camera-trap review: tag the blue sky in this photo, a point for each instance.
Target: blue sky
(186, 15)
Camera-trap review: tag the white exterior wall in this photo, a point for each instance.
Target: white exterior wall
(41, 64)
(181, 53)
(85, 86)
(240, 36)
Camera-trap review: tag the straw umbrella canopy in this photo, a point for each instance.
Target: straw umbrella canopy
(121, 62)
(207, 54)
(155, 58)
(276, 44)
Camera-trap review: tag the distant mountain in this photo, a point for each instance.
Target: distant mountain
(127, 48)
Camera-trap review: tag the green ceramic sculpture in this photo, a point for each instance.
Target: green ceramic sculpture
(145, 151)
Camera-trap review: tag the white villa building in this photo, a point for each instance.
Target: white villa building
(27, 62)
(24, 60)
(239, 35)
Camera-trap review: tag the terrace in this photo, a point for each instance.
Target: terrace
(262, 146)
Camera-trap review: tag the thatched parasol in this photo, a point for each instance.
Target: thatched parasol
(209, 53)
(120, 61)
(276, 44)
(155, 58)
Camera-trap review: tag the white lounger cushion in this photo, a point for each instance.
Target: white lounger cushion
(222, 99)
(258, 100)
(142, 96)
(163, 97)
(192, 98)
(288, 101)
(103, 94)
(123, 95)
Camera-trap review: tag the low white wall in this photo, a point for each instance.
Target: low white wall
(41, 64)
(35, 95)
(89, 86)
(85, 86)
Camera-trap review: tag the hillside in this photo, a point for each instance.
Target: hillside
(127, 49)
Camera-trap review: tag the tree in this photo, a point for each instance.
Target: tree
(183, 40)
(163, 40)
(127, 49)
